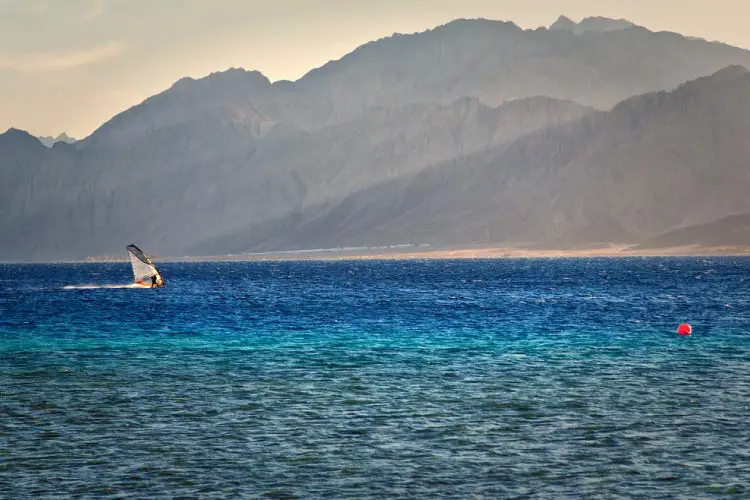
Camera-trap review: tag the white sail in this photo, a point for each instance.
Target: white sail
(143, 269)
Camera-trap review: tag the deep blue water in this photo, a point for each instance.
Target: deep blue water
(426, 379)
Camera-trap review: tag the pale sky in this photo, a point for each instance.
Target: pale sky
(70, 65)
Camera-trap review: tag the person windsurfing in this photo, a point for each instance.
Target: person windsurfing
(143, 269)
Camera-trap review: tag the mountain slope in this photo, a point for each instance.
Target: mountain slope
(654, 163)
(597, 63)
(733, 230)
(496, 61)
(193, 180)
(424, 122)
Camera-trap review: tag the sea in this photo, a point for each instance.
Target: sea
(507, 378)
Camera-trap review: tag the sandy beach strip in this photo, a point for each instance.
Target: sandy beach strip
(423, 253)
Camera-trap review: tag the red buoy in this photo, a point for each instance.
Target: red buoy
(684, 329)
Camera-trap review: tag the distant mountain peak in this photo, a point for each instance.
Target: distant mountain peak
(731, 71)
(50, 141)
(397, 42)
(231, 76)
(728, 75)
(17, 133)
(594, 24)
(14, 136)
(563, 23)
(243, 73)
(220, 91)
(12, 131)
(733, 79)
(479, 22)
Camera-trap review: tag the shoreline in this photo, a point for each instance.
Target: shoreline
(431, 253)
(479, 253)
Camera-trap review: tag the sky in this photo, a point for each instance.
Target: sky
(70, 65)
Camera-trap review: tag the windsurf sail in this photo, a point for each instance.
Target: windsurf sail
(144, 271)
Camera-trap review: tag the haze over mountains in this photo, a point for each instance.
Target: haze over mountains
(50, 141)
(473, 132)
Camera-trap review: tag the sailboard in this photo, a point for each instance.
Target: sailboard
(144, 271)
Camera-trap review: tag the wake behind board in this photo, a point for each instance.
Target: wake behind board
(96, 287)
(145, 274)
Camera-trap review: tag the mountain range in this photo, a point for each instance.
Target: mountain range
(473, 132)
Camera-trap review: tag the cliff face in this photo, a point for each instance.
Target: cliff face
(654, 163)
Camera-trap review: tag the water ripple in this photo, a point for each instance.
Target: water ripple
(500, 379)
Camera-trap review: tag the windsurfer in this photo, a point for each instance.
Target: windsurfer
(144, 271)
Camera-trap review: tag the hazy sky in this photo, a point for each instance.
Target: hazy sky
(69, 65)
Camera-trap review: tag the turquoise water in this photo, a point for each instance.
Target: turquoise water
(426, 379)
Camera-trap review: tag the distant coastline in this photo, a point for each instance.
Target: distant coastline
(426, 252)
